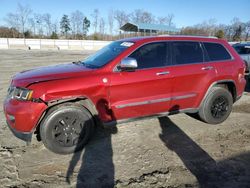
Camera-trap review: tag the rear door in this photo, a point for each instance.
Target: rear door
(221, 60)
(147, 90)
(191, 74)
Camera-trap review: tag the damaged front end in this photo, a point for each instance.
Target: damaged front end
(22, 112)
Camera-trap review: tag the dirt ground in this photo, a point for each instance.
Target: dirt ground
(175, 151)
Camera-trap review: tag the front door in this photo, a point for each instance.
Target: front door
(147, 90)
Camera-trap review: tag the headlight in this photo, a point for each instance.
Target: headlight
(19, 93)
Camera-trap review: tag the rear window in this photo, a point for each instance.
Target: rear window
(216, 52)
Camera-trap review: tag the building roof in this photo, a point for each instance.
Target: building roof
(147, 27)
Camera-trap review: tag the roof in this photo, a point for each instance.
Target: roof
(147, 27)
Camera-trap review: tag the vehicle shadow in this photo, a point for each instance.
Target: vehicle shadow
(97, 168)
(233, 172)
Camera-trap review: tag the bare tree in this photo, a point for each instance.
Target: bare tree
(170, 19)
(111, 21)
(6, 32)
(55, 26)
(102, 26)
(12, 20)
(166, 20)
(39, 23)
(209, 26)
(121, 17)
(95, 16)
(247, 30)
(162, 20)
(48, 23)
(32, 25)
(13, 23)
(76, 20)
(193, 30)
(237, 27)
(228, 30)
(23, 12)
(142, 16)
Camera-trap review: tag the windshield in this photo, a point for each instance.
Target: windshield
(106, 54)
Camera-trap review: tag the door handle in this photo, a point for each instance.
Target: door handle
(162, 73)
(207, 68)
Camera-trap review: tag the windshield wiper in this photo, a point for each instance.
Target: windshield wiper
(77, 62)
(85, 64)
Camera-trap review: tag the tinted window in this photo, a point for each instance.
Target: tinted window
(242, 49)
(151, 55)
(216, 52)
(187, 52)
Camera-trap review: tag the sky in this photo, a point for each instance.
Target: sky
(186, 12)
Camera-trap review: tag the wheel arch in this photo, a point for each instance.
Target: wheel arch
(228, 84)
(83, 101)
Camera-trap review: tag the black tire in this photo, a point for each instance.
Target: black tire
(66, 128)
(217, 106)
(247, 67)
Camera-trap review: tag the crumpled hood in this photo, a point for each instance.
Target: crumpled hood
(56, 72)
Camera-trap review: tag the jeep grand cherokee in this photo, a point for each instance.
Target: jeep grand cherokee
(129, 78)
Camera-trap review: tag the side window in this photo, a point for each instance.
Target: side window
(187, 52)
(216, 52)
(247, 49)
(151, 55)
(243, 49)
(238, 49)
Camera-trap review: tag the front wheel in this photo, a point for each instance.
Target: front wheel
(66, 128)
(217, 106)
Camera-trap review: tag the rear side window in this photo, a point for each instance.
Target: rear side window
(151, 55)
(216, 52)
(187, 52)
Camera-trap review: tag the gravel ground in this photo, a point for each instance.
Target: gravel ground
(175, 151)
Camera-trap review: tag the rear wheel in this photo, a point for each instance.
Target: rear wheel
(217, 106)
(66, 128)
(247, 77)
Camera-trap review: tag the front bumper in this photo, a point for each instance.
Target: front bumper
(25, 136)
(22, 117)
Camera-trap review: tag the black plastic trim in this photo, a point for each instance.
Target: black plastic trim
(25, 136)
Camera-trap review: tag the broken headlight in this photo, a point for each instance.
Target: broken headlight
(19, 93)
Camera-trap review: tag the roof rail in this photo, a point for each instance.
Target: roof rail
(189, 36)
(165, 35)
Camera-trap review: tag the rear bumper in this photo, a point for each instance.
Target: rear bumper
(25, 136)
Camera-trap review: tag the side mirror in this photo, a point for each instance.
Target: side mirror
(128, 64)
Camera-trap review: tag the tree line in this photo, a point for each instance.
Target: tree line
(235, 31)
(26, 24)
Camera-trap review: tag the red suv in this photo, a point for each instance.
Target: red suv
(129, 78)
